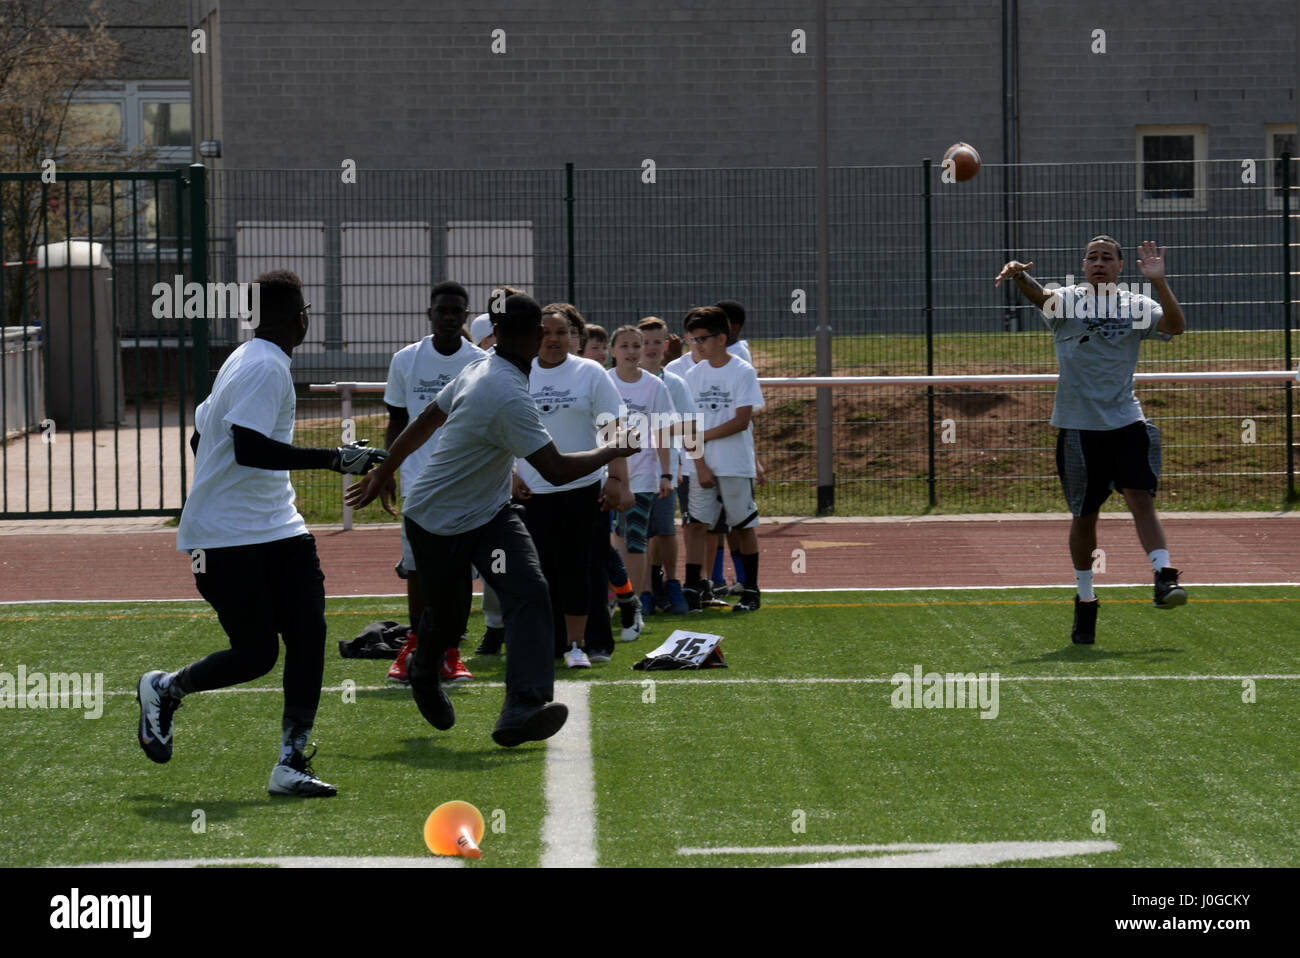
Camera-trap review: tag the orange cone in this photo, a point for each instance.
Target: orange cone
(454, 828)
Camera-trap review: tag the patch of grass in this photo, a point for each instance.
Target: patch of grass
(705, 760)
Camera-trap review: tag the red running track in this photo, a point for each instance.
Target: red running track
(918, 553)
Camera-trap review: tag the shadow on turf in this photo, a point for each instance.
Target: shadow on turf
(1092, 653)
(167, 809)
(430, 752)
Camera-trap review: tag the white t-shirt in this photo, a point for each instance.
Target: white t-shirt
(648, 408)
(230, 504)
(681, 365)
(683, 405)
(416, 375)
(718, 391)
(1097, 339)
(569, 397)
(491, 419)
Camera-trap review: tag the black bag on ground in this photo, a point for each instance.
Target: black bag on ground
(378, 640)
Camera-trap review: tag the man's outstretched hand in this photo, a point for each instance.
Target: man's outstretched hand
(1012, 270)
(357, 458)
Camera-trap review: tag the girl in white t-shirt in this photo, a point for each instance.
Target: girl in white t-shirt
(649, 411)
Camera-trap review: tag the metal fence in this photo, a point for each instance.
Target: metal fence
(911, 262)
(95, 383)
(621, 248)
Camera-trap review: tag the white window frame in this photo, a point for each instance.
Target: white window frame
(1199, 201)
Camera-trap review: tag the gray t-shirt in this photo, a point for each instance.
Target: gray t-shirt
(491, 421)
(1097, 343)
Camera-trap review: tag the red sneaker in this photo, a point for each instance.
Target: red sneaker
(453, 669)
(397, 673)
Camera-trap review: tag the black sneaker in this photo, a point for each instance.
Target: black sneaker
(749, 601)
(156, 710)
(493, 639)
(1085, 622)
(431, 700)
(1169, 594)
(293, 776)
(525, 722)
(692, 597)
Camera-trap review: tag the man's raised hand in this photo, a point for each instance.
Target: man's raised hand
(1151, 261)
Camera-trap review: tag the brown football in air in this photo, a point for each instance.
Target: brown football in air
(965, 161)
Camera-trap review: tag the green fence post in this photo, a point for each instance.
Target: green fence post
(568, 207)
(1287, 320)
(929, 320)
(199, 270)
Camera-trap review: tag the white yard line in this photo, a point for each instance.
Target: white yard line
(577, 698)
(569, 829)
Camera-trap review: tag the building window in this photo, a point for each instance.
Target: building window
(1281, 138)
(1171, 164)
(152, 115)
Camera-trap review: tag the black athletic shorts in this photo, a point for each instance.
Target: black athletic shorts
(1093, 463)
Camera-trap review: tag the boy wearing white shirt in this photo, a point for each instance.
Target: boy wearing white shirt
(253, 559)
(726, 394)
(416, 374)
(648, 407)
(665, 587)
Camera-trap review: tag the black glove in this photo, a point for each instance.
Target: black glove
(356, 458)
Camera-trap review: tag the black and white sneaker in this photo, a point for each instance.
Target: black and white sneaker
(708, 598)
(156, 710)
(293, 776)
(749, 601)
(1169, 594)
(1084, 631)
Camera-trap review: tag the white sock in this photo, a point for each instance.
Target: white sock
(1083, 580)
(1159, 558)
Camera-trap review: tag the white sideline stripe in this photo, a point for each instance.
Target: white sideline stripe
(569, 828)
(579, 689)
(844, 849)
(766, 593)
(909, 855)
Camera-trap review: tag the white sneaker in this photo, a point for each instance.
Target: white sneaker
(575, 658)
(294, 776)
(632, 632)
(599, 657)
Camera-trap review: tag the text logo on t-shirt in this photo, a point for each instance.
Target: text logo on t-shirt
(713, 397)
(426, 389)
(549, 399)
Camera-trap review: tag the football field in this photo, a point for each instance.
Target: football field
(852, 727)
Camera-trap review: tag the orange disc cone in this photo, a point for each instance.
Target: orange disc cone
(454, 828)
